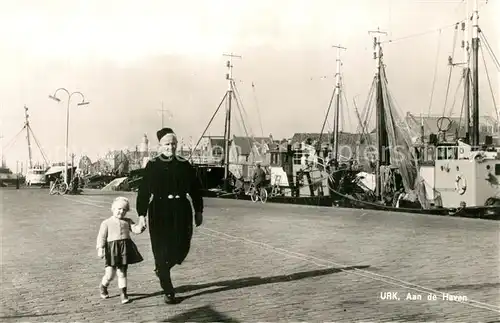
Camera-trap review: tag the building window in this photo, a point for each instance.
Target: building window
(297, 157)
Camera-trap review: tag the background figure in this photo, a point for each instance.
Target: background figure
(75, 184)
(169, 178)
(259, 177)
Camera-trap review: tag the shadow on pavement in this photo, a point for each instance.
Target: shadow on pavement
(468, 287)
(201, 314)
(249, 282)
(20, 316)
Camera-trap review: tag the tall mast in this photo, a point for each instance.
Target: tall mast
(382, 138)
(169, 114)
(162, 112)
(466, 73)
(337, 105)
(27, 126)
(227, 126)
(2, 160)
(475, 75)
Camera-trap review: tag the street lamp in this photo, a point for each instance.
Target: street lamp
(55, 98)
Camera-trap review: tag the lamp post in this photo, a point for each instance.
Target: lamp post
(55, 98)
(72, 164)
(17, 174)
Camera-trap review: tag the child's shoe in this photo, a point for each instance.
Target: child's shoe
(124, 296)
(104, 291)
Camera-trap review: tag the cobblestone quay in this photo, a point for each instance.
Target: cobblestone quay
(252, 262)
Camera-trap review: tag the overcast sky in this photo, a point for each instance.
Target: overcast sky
(129, 56)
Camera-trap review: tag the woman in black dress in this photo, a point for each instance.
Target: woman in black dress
(168, 178)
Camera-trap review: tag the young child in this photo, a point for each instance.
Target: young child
(117, 248)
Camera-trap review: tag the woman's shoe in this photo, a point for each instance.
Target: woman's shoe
(170, 298)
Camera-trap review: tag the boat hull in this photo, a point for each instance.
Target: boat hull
(477, 212)
(301, 200)
(211, 178)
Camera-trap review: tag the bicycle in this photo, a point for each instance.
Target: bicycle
(238, 189)
(256, 195)
(59, 188)
(276, 189)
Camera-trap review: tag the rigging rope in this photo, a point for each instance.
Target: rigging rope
(461, 115)
(39, 146)
(407, 170)
(12, 141)
(208, 125)
(490, 50)
(327, 114)
(368, 111)
(241, 110)
(422, 33)
(341, 124)
(435, 72)
(258, 109)
(344, 92)
(455, 96)
(367, 103)
(360, 123)
(451, 70)
(242, 107)
(471, 82)
(489, 82)
(395, 104)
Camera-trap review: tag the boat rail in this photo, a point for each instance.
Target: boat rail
(205, 160)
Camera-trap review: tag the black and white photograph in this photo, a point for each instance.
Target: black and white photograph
(250, 161)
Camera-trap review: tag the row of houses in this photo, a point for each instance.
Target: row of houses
(488, 126)
(249, 150)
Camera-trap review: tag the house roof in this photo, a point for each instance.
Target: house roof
(430, 125)
(278, 146)
(345, 138)
(217, 142)
(263, 140)
(245, 143)
(300, 137)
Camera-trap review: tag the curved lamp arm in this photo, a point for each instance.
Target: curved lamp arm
(54, 96)
(81, 94)
(70, 95)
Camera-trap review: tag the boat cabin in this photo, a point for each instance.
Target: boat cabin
(458, 175)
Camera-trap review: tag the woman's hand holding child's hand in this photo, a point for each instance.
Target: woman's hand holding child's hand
(142, 223)
(137, 229)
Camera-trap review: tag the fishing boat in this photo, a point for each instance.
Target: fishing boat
(35, 174)
(459, 178)
(230, 177)
(7, 177)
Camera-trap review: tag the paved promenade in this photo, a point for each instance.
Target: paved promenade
(252, 263)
